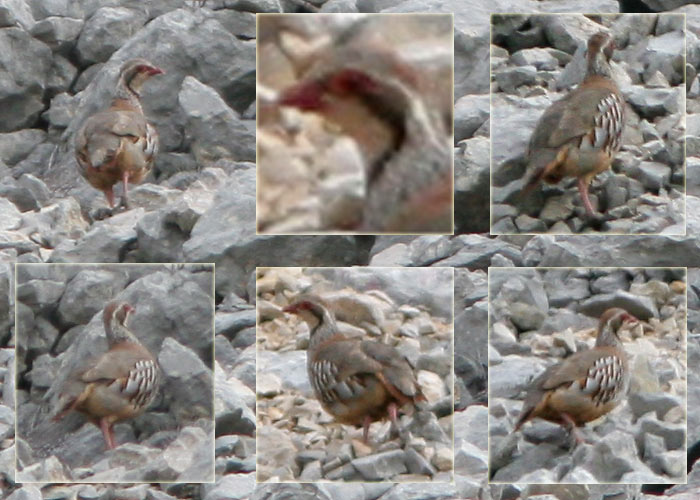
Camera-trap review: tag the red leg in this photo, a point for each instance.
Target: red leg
(125, 181)
(583, 189)
(572, 427)
(106, 428)
(393, 414)
(365, 432)
(109, 194)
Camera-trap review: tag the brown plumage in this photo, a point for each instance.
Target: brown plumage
(120, 384)
(586, 385)
(118, 144)
(356, 381)
(579, 135)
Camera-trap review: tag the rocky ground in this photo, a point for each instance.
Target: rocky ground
(296, 437)
(538, 317)
(199, 206)
(536, 60)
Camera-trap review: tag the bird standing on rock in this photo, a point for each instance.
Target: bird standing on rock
(118, 144)
(586, 385)
(356, 381)
(579, 135)
(120, 384)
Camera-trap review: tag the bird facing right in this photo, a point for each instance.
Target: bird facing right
(118, 144)
(579, 135)
(586, 385)
(120, 384)
(356, 381)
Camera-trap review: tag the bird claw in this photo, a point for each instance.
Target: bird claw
(597, 221)
(101, 213)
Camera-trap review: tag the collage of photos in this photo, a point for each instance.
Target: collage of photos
(349, 250)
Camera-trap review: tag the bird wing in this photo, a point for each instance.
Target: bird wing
(100, 138)
(115, 364)
(568, 118)
(572, 369)
(344, 370)
(395, 368)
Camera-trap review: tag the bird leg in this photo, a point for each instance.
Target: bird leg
(596, 220)
(125, 198)
(365, 432)
(393, 410)
(572, 428)
(106, 428)
(109, 194)
(583, 189)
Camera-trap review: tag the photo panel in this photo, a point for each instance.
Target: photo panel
(471, 396)
(114, 373)
(355, 375)
(587, 375)
(355, 123)
(588, 123)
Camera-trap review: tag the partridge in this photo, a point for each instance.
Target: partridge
(579, 135)
(121, 383)
(356, 381)
(586, 385)
(118, 144)
(405, 142)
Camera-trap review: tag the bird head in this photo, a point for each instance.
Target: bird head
(115, 317)
(135, 72)
(315, 312)
(309, 94)
(610, 323)
(306, 302)
(599, 52)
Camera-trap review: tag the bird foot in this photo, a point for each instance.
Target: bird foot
(596, 221)
(101, 213)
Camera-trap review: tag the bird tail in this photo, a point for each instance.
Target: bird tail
(68, 406)
(533, 182)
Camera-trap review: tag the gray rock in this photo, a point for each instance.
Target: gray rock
(541, 59)
(651, 103)
(14, 13)
(381, 466)
(214, 130)
(86, 294)
(106, 31)
(26, 493)
(510, 79)
(16, 146)
(107, 241)
(673, 434)
(25, 66)
(188, 382)
(640, 306)
(59, 33)
(234, 487)
(471, 111)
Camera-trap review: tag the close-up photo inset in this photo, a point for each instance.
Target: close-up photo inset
(588, 124)
(354, 123)
(114, 372)
(354, 375)
(587, 375)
